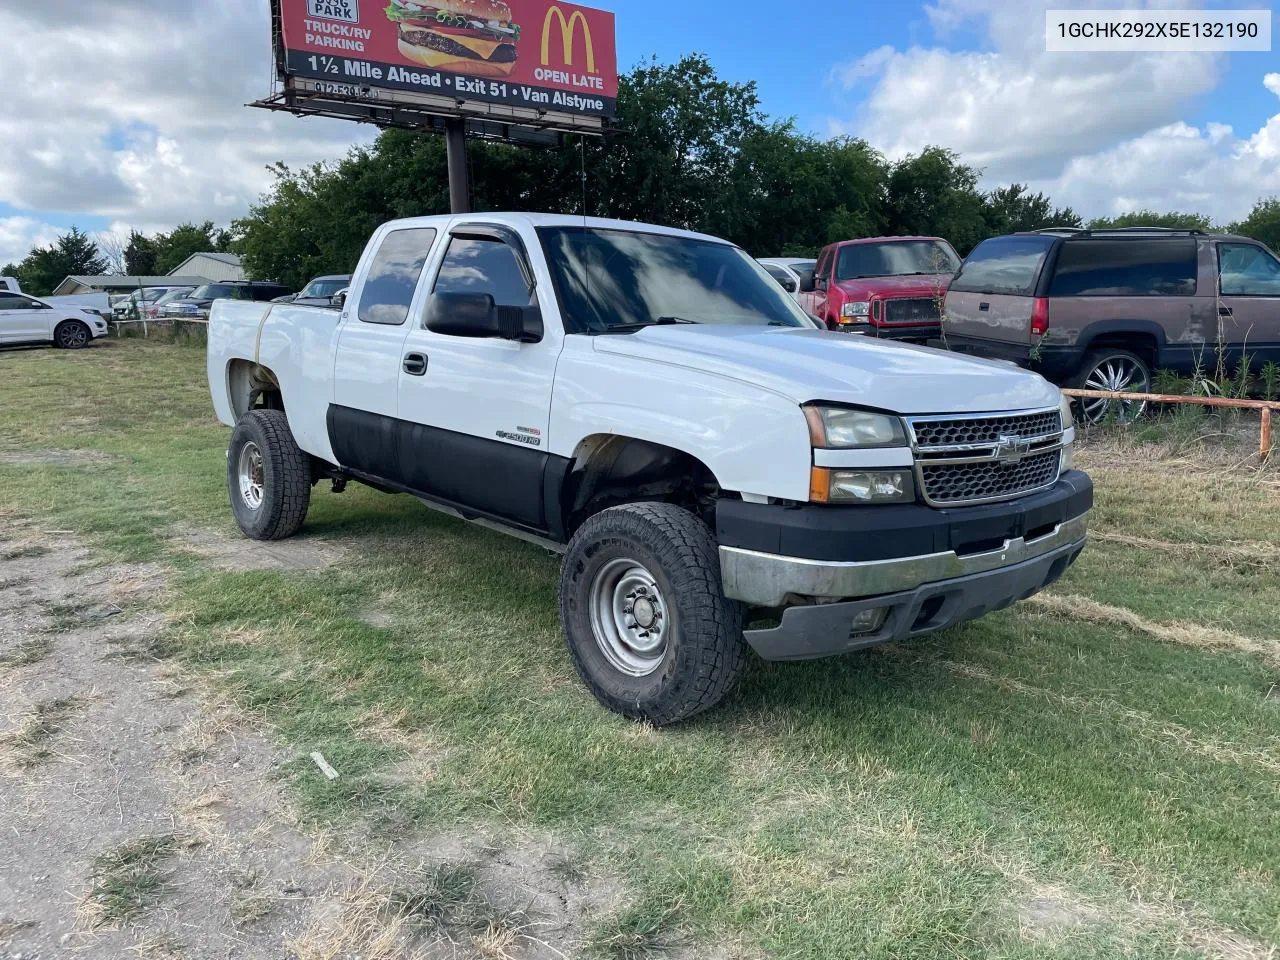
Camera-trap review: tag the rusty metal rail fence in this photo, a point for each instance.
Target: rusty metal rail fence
(1266, 406)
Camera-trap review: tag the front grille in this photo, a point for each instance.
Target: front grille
(977, 430)
(912, 310)
(947, 483)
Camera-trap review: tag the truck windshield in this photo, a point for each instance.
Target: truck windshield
(620, 280)
(324, 288)
(896, 258)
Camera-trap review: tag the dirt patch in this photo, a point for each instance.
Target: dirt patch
(149, 817)
(240, 553)
(1075, 607)
(59, 457)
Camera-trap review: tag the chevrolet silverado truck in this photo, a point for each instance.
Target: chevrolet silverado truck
(718, 475)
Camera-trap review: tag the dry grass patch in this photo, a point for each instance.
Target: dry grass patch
(27, 652)
(128, 880)
(1230, 554)
(33, 742)
(1075, 607)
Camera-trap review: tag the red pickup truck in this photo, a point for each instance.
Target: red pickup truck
(889, 287)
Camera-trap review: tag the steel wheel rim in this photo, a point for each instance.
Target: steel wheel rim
(629, 617)
(74, 335)
(1115, 375)
(250, 475)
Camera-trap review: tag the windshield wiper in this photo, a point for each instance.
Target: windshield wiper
(641, 325)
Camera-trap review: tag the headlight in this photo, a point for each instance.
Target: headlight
(856, 311)
(1068, 416)
(838, 428)
(861, 486)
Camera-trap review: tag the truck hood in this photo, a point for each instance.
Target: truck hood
(806, 365)
(865, 288)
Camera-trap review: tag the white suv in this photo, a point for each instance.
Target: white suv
(27, 319)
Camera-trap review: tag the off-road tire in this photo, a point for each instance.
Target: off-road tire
(705, 650)
(1093, 360)
(286, 480)
(72, 335)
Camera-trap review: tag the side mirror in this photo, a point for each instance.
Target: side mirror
(339, 299)
(476, 315)
(807, 283)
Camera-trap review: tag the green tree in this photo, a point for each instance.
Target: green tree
(1015, 208)
(73, 253)
(10, 270)
(933, 194)
(1150, 218)
(182, 241)
(140, 255)
(1263, 223)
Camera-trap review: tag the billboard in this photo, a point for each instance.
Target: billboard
(535, 57)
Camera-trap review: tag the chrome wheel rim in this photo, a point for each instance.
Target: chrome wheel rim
(250, 475)
(629, 617)
(1115, 375)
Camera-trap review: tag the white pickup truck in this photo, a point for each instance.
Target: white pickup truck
(650, 403)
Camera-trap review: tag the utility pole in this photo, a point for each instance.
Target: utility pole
(455, 137)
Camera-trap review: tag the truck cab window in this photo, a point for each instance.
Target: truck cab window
(393, 275)
(483, 266)
(1248, 271)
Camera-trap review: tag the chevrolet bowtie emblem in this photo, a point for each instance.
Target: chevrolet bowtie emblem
(1012, 450)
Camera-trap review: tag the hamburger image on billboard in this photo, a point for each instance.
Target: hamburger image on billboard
(461, 36)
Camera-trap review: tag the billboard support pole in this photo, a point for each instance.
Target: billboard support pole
(455, 138)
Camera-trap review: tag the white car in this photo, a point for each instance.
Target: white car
(789, 272)
(27, 319)
(650, 403)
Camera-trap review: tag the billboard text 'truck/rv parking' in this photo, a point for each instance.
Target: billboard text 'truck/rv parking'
(550, 56)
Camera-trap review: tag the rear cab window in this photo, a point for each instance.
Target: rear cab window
(1004, 265)
(1126, 268)
(393, 275)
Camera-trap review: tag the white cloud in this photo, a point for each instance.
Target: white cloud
(1178, 167)
(19, 234)
(137, 112)
(1103, 132)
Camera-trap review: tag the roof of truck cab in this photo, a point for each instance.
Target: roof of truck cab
(861, 240)
(552, 220)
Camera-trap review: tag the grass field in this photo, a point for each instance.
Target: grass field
(1095, 773)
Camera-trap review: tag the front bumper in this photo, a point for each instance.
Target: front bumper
(911, 332)
(823, 630)
(924, 569)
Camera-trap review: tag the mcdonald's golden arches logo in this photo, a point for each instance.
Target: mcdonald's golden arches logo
(568, 31)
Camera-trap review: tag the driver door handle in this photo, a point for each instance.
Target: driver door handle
(1225, 312)
(415, 364)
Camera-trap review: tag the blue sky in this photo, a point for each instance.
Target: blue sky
(791, 56)
(152, 130)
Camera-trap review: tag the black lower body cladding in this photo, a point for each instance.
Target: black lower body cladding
(861, 533)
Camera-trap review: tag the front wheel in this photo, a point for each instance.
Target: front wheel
(71, 335)
(268, 476)
(649, 628)
(1115, 371)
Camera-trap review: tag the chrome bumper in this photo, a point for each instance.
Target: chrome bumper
(766, 580)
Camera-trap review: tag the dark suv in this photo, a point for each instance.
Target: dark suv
(1101, 309)
(196, 305)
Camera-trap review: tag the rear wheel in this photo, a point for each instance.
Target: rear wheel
(268, 476)
(1117, 371)
(71, 335)
(650, 630)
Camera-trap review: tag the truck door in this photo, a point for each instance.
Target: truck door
(817, 303)
(476, 410)
(1249, 302)
(362, 424)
